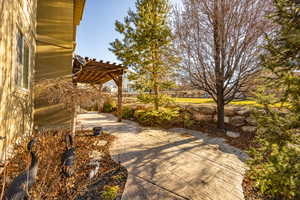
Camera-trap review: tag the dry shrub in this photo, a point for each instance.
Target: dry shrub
(63, 91)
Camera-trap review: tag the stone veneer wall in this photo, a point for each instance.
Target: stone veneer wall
(16, 105)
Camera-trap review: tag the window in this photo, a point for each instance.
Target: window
(26, 67)
(23, 62)
(20, 46)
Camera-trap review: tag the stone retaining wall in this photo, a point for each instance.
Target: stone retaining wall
(236, 116)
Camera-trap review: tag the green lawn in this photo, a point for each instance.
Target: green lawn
(235, 102)
(247, 102)
(193, 100)
(209, 100)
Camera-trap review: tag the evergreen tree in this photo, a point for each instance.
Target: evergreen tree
(147, 47)
(275, 163)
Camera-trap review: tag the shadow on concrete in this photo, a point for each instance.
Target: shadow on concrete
(176, 161)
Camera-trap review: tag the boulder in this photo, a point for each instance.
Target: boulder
(190, 108)
(249, 128)
(202, 118)
(237, 121)
(226, 119)
(230, 111)
(184, 106)
(251, 121)
(205, 109)
(232, 134)
(244, 112)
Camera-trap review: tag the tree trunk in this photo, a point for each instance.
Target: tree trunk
(156, 96)
(219, 65)
(156, 91)
(220, 110)
(120, 95)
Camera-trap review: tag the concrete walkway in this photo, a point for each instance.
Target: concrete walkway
(175, 164)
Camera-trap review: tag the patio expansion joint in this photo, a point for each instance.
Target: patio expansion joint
(161, 187)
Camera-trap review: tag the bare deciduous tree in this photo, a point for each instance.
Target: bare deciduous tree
(220, 44)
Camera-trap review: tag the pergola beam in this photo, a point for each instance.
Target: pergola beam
(93, 72)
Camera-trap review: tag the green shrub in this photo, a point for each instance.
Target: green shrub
(275, 162)
(110, 192)
(160, 117)
(163, 100)
(279, 174)
(109, 104)
(145, 98)
(109, 107)
(127, 113)
(187, 121)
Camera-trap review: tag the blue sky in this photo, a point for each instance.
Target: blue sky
(97, 29)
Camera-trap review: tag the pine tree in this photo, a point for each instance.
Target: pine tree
(275, 163)
(147, 47)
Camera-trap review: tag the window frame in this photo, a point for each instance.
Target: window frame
(19, 74)
(28, 60)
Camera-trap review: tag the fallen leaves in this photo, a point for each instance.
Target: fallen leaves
(50, 183)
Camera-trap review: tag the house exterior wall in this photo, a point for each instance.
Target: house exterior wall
(56, 33)
(17, 63)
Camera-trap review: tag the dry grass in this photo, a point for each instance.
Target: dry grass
(51, 184)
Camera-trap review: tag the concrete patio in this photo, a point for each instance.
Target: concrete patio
(172, 164)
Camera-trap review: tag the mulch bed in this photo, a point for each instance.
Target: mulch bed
(51, 184)
(250, 192)
(244, 142)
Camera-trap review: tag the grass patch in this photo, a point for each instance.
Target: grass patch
(210, 100)
(245, 102)
(248, 102)
(193, 100)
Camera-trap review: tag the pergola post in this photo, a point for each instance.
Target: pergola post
(100, 105)
(119, 82)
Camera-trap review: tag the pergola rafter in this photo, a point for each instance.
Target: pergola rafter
(90, 71)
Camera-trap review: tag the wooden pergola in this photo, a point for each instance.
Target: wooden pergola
(90, 71)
